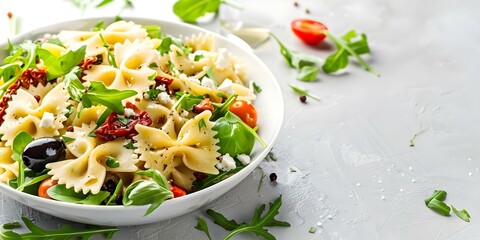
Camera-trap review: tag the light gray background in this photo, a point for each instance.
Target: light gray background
(356, 176)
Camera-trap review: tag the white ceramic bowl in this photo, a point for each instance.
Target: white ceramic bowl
(269, 106)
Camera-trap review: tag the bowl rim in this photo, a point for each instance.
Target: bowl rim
(110, 19)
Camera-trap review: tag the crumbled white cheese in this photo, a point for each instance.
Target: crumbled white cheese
(184, 77)
(226, 163)
(222, 61)
(244, 159)
(239, 68)
(161, 87)
(146, 96)
(164, 98)
(129, 112)
(47, 120)
(184, 113)
(226, 86)
(207, 82)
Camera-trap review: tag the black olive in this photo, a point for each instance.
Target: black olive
(110, 184)
(42, 151)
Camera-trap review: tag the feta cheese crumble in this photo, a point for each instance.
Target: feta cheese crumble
(226, 163)
(207, 82)
(47, 120)
(164, 98)
(129, 112)
(244, 159)
(226, 86)
(222, 61)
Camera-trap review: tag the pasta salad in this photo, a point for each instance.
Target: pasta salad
(123, 115)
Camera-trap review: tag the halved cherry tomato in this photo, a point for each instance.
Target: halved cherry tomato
(245, 111)
(44, 186)
(309, 31)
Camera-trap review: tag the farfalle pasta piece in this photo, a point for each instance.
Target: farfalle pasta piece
(8, 167)
(201, 41)
(195, 146)
(25, 113)
(87, 169)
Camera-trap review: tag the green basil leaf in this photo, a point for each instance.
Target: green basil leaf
(112, 162)
(33, 181)
(463, 214)
(308, 73)
(256, 87)
(198, 57)
(130, 145)
(67, 139)
(97, 93)
(191, 10)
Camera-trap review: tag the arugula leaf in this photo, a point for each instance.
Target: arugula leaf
(21, 140)
(308, 73)
(110, 56)
(258, 223)
(63, 233)
(187, 101)
(198, 57)
(235, 137)
(463, 214)
(59, 66)
(73, 84)
(99, 26)
(153, 192)
(191, 10)
(439, 207)
(67, 139)
(153, 31)
(202, 226)
(115, 193)
(303, 91)
(201, 124)
(295, 60)
(165, 45)
(210, 74)
(212, 179)
(97, 93)
(61, 193)
(11, 225)
(112, 162)
(123, 120)
(153, 93)
(220, 111)
(437, 194)
(103, 3)
(33, 181)
(222, 221)
(11, 73)
(346, 47)
(100, 121)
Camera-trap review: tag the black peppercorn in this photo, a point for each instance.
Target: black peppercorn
(273, 177)
(303, 98)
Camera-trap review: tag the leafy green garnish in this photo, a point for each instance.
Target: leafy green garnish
(345, 48)
(115, 193)
(202, 226)
(103, 3)
(59, 66)
(153, 31)
(258, 223)
(439, 207)
(210, 74)
(97, 94)
(165, 45)
(33, 181)
(11, 225)
(63, 233)
(153, 192)
(67, 139)
(256, 87)
(153, 93)
(110, 56)
(61, 193)
(99, 26)
(21, 140)
(295, 60)
(463, 214)
(308, 73)
(312, 230)
(437, 194)
(198, 57)
(261, 179)
(191, 10)
(187, 101)
(303, 91)
(123, 120)
(201, 124)
(235, 137)
(100, 121)
(129, 145)
(212, 179)
(112, 162)
(73, 84)
(222, 109)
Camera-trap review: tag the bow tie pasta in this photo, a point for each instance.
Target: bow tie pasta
(122, 111)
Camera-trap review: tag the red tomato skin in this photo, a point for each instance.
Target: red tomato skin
(245, 111)
(177, 191)
(44, 186)
(309, 31)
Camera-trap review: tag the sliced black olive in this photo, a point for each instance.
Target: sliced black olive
(42, 151)
(110, 184)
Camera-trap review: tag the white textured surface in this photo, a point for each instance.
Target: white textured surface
(355, 173)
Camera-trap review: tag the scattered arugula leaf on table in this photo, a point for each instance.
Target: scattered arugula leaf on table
(11, 225)
(463, 214)
(308, 73)
(153, 192)
(435, 202)
(303, 91)
(202, 226)
(191, 10)
(258, 223)
(63, 233)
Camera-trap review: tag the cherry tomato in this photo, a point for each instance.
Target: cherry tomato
(245, 111)
(44, 186)
(309, 31)
(177, 191)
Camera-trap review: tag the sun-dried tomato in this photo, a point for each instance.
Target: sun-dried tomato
(89, 61)
(31, 76)
(113, 128)
(159, 80)
(204, 105)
